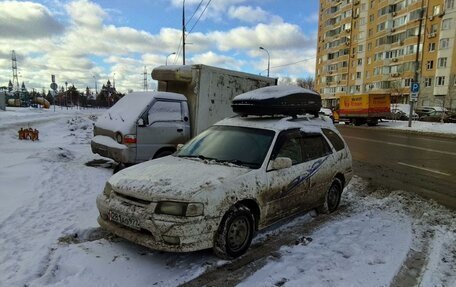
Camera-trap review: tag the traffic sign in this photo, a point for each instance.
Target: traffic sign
(54, 86)
(414, 97)
(415, 88)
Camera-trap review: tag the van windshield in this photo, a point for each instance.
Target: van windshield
(238, 145)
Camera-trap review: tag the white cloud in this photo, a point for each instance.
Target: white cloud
(272, 36)
(27, 20)
(212, 59)
(251, 15)
(89, 46)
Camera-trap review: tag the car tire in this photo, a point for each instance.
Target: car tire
(163, 153)
(235, 233)
(332, 197)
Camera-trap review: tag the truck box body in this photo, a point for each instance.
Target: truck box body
(364, 106)
(209, 90)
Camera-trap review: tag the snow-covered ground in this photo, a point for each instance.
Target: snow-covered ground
(417, 126)
(49, 235)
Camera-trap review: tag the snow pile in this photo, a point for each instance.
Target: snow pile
(370, 244)
(428, 127)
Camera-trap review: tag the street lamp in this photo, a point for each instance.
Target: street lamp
(166, 62)
(269, 58)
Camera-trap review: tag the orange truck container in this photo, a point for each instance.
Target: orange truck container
(364, 108)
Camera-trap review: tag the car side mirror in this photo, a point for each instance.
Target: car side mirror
(140, 122)
(280, 163)
(179, 147)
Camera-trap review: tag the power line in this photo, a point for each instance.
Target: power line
(294, 63)
(194, 12)
(197, 20)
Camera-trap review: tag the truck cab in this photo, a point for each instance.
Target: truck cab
(142, 126)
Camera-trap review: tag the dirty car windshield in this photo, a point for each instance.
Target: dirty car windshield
(237, 145)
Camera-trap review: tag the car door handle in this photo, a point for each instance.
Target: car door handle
(180, 130)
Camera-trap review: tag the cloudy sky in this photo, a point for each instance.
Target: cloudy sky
(77, 40)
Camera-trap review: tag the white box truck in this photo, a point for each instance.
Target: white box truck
(147, 125)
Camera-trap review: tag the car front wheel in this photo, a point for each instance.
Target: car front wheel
(332, 197)
(235, 233)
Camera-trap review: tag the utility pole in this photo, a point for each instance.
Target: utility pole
(183, 32)
(417, 62)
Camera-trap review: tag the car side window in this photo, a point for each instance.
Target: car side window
(164, 111)
(335, 140)
(315, 146)
(289, 145)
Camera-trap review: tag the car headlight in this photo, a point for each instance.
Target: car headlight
(107, 189)
(179, 208)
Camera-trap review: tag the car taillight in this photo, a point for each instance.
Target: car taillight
(130, 139)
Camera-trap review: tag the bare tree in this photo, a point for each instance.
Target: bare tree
(307, 83)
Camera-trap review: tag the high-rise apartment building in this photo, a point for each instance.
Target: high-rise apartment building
(370, 46)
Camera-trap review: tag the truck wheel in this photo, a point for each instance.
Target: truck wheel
(372, 122)
(332, 197)
(163, 153)
(235, 233)
(118, 167)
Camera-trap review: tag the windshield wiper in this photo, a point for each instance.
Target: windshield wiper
(200, 156)
(241, 163)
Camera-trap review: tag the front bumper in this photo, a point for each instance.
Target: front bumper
(193, 233)
(113, 150)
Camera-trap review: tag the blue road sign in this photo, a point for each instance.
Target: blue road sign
(415, 88)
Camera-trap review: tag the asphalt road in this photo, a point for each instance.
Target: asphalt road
(416, 163)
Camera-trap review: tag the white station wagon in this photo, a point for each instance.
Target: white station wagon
(239, 176)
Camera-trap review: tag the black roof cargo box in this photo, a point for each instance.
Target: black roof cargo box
(277, 100)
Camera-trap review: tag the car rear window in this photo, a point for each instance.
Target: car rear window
(335, 140)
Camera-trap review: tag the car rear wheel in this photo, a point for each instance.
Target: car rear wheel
(332, 197)
(163, 153)
(235, 233)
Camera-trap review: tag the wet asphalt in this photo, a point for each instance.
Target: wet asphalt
(418, 163)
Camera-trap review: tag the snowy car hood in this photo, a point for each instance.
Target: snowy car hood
(172, 178)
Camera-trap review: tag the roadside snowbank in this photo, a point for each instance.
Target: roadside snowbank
(427, 127)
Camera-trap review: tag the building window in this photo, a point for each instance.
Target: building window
(408, 82)
(371, 18)
(427, 82)
(358, 75)
(360, 62)
(440, 81)
(444, 43)
(436, 10)
(446, 24)
(431, 47)
(442, 62)
(449, 4)
(430, 65)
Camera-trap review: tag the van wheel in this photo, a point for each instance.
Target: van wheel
(118, 167)
(235, 233)
(332, 197)
(163, 153)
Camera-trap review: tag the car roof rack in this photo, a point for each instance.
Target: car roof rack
(278, 100)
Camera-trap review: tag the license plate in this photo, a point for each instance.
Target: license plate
(124, 220)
